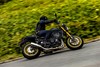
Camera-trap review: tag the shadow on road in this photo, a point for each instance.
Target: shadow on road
(54, 53)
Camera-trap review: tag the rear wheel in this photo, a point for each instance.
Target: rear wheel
(75, 43)
(30, 52)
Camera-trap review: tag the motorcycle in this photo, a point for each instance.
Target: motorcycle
(32, 46)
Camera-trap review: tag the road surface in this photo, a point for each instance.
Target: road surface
(88, 56)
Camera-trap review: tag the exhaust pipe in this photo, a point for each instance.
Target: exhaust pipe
(37, 45)
(46, 49)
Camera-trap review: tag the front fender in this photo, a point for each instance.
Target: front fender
(27, 39)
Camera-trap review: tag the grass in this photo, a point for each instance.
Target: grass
(10, 57)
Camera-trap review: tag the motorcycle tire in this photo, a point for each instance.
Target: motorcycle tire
(76, 44)
(30, 52)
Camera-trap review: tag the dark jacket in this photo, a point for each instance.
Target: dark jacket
(42, 23)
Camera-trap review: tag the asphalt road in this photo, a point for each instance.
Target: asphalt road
(88, 56)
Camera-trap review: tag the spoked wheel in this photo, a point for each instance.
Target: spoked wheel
(75, 43)
(30, 52)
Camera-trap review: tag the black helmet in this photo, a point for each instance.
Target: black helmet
(43, 18)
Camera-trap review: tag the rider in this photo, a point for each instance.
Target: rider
(40, 28)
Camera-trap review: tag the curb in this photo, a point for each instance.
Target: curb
(92, 41)
(22, 57)
(11, 60)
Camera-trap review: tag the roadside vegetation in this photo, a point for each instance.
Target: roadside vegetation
(19, 17)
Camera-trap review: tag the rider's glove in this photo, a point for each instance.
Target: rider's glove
(56, 21)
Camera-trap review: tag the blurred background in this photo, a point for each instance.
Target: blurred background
(18, 19)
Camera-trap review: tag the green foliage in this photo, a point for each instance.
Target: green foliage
(4, 1)
(19, 17)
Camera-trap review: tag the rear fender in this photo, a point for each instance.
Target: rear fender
(27, 39)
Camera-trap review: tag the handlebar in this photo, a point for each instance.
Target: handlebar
(55, 15)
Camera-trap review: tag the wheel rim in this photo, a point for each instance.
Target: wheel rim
(76, 43)
(30, 51)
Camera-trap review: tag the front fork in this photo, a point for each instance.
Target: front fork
(67, 33)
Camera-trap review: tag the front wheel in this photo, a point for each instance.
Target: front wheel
(75, 43)
(30, 52)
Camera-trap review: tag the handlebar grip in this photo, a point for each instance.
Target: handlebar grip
(57, 22)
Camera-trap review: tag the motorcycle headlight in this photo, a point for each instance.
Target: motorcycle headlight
(67, 28)
(64, 26)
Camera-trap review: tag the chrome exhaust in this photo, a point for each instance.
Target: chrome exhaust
(46, 49)
(38, 46)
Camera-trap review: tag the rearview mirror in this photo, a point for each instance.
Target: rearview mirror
(55, 14)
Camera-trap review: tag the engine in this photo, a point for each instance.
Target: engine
(53, 41)
(56, 38)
